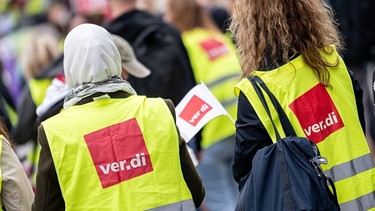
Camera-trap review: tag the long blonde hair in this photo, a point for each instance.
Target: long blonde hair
(280, 28)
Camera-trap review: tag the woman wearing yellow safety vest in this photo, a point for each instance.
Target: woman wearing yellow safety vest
(215, 63)
(292, 46)
(111, 149)
(15, 187)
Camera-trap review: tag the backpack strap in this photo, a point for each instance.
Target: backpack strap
(289, 131)
(287, 191)
(287, 126)
(145, 33)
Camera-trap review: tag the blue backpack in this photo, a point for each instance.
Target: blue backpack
(287, 174)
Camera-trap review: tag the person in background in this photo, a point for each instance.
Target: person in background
(219, 13)
(158, 46)
(16, 191)
(215, 63)
(293, 47)
(151, 6)
(114, 156)
(39, 58)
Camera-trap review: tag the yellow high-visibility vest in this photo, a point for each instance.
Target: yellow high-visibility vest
(327, 116)
(215, 63)
(38, 88)
(118, 154)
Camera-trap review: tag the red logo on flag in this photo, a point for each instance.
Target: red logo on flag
(317, 114)
(214, 48)
(119, 152)
(195, 110)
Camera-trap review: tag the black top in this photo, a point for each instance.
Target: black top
(26, 127)
(158, 45)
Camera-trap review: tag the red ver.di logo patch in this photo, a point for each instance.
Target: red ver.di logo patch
(195, 110)
(214, 48)
(119, 152)
(317, 114)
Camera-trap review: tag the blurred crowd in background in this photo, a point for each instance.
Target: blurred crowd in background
(20, 18)
(32, 33)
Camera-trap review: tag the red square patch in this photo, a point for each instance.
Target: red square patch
(214, 48)
(195, 110)
(119, 152)
(317, 114)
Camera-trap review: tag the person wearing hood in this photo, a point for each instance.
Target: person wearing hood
(111, 149)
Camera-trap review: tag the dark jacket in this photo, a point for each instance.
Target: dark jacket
(26, 128)
(48, 194)
(373, 90)
(355, 20)
(254, 135)
(159, 47)
(6, 104)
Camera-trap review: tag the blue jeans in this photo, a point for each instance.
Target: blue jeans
(215, 169)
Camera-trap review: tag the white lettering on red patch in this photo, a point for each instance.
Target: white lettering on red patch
(119, 152)
(195, 110)
(317, 114)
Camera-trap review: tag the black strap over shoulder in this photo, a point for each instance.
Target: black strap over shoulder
(287, 126)
(258, 85)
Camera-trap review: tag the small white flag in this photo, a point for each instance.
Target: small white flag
(198, 107)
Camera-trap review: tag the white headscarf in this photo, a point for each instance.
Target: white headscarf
(90, 55)
(92, 63)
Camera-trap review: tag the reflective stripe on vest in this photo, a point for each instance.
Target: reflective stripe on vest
(214, 62)
(38, 88)
(334, 126)
(118, 154)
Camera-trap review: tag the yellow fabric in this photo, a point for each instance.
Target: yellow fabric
(12, 114)
(3, 6)
(38, 88)
(219, 73)
(341, 147)
(35, 7)
(79, 181)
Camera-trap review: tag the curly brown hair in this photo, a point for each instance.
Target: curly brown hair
(281, 28)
